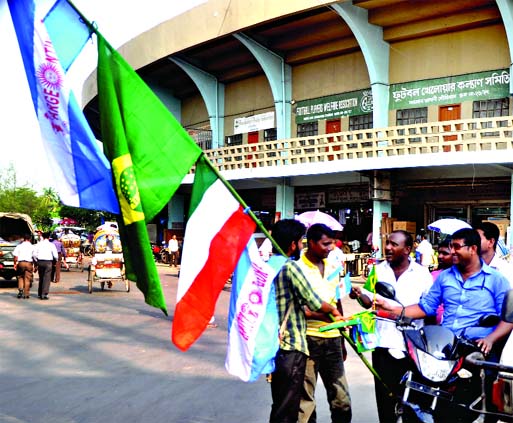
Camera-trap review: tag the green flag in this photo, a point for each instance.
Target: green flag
(150, 154)
(370, 283)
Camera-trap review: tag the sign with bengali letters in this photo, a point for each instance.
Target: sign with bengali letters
(452, 89)
(347, 104)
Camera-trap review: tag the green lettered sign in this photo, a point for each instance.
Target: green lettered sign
(333, 106)
(452, 89)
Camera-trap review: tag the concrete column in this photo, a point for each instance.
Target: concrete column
(176, 211)
(376, 53)
(506, 10)
(279, 75)
(285, 199)
(378, 208)
(212, 92)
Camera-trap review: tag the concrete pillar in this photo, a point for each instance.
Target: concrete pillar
(506, 10)
(279, 75)
(176, 211)
(212, 92)
(285, 199)
(376, 53)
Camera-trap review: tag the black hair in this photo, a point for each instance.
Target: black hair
(287, 231)
(408, 239)
(446, 242)
(470, 236)
(490, 230)
(317, 230)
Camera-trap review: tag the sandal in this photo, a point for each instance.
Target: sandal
(212, 325)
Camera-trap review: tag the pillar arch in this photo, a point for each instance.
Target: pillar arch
(506, 10)
(279, 75)
(376, 53)
(212, 92)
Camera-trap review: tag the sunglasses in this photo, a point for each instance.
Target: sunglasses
(456, 246)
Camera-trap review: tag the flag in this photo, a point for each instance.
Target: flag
(150, 154)
(81, 172)
(68, 32)
(370, 283)
(253, 323)
(344, 287)
(217, 232)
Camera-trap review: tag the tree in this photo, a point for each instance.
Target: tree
(87, 218)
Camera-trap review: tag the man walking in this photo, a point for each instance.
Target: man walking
(326, 350)
(410, 281)
(292, 292)
(61, 253)
(173, 251)
(24, 266)
(45, 254)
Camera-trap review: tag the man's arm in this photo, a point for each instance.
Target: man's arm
(325, 314)
(503, 329)
(413, 311)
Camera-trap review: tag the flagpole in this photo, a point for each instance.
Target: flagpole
(243, 204)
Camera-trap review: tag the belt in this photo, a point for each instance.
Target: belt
(24, 261)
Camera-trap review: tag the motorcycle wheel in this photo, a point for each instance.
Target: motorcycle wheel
(164, 257)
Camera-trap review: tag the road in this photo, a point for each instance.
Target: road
(108, 357)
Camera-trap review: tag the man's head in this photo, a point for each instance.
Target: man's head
(27, 237)
(319, 239)
(398, 247)
(288, 234)
(444, 254)
(465, 247)
(489, 233)
(46, 235)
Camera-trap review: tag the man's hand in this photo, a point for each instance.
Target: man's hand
(485, 345)
(336, 314)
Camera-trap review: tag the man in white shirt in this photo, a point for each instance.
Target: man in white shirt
(173, 251)
(426, 252)
(490, 233)
(410, 281)
(24, 266)
(45, 254)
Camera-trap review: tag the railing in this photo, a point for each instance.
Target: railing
(469, 135)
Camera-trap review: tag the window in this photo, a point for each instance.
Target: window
(307, 129)
(233, 140)
(360, 122)
(411, 116)
(203, 137)
(490, 108)
(270, 134)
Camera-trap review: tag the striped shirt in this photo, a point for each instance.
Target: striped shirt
(293, 287)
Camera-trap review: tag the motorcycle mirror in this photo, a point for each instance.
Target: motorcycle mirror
(489, 320)
(385, 290)
(507, 307)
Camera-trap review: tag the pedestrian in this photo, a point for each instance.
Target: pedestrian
(173, 251)
(292, 292)
(326, 348)
(61, 252)
(490, 233)
(45, 254)
(426, 251)
(411, 281)
(469, 290)
(24, 266)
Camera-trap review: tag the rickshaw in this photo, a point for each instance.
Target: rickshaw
(71, 243)
(107, 263)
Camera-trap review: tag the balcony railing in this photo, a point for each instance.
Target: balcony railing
(468, 135)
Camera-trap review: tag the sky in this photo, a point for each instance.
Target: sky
(118, 20)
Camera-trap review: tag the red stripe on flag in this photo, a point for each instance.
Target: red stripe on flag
(196, 307)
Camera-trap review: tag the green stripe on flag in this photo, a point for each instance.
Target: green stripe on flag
(204, 177)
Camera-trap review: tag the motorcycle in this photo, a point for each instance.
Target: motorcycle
(446, 380)
(372, 261)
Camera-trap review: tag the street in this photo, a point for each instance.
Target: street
(108, 357)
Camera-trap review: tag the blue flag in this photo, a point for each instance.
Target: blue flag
(81, 171)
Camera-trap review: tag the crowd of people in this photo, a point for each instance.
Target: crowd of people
(469, 282)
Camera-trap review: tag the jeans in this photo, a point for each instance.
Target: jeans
(286, 385)
(326, 360)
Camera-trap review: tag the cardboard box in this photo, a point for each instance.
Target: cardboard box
(403, 225)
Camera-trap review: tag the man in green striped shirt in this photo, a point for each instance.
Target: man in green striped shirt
(293, 291)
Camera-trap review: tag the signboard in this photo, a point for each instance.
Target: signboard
(451, 89)
(253, 123)
(333, 106)
(350, 194)
(310, 200)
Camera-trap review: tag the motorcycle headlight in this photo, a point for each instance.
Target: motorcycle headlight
(434, 369)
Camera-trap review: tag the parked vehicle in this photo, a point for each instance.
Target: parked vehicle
(12, 228)
(372, 261)
(447, 383)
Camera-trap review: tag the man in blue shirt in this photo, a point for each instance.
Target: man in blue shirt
(469, 290)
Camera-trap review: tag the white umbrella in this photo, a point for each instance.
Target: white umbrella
(310, 217)
(448, 226)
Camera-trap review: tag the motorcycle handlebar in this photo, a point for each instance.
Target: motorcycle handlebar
(477, 359)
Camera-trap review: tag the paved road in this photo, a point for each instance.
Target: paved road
(107, 357)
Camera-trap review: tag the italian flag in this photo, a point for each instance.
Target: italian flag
(217, 232)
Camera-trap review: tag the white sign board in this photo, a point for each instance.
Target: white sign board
(253, 123)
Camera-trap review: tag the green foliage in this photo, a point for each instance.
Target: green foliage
(89, 219)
